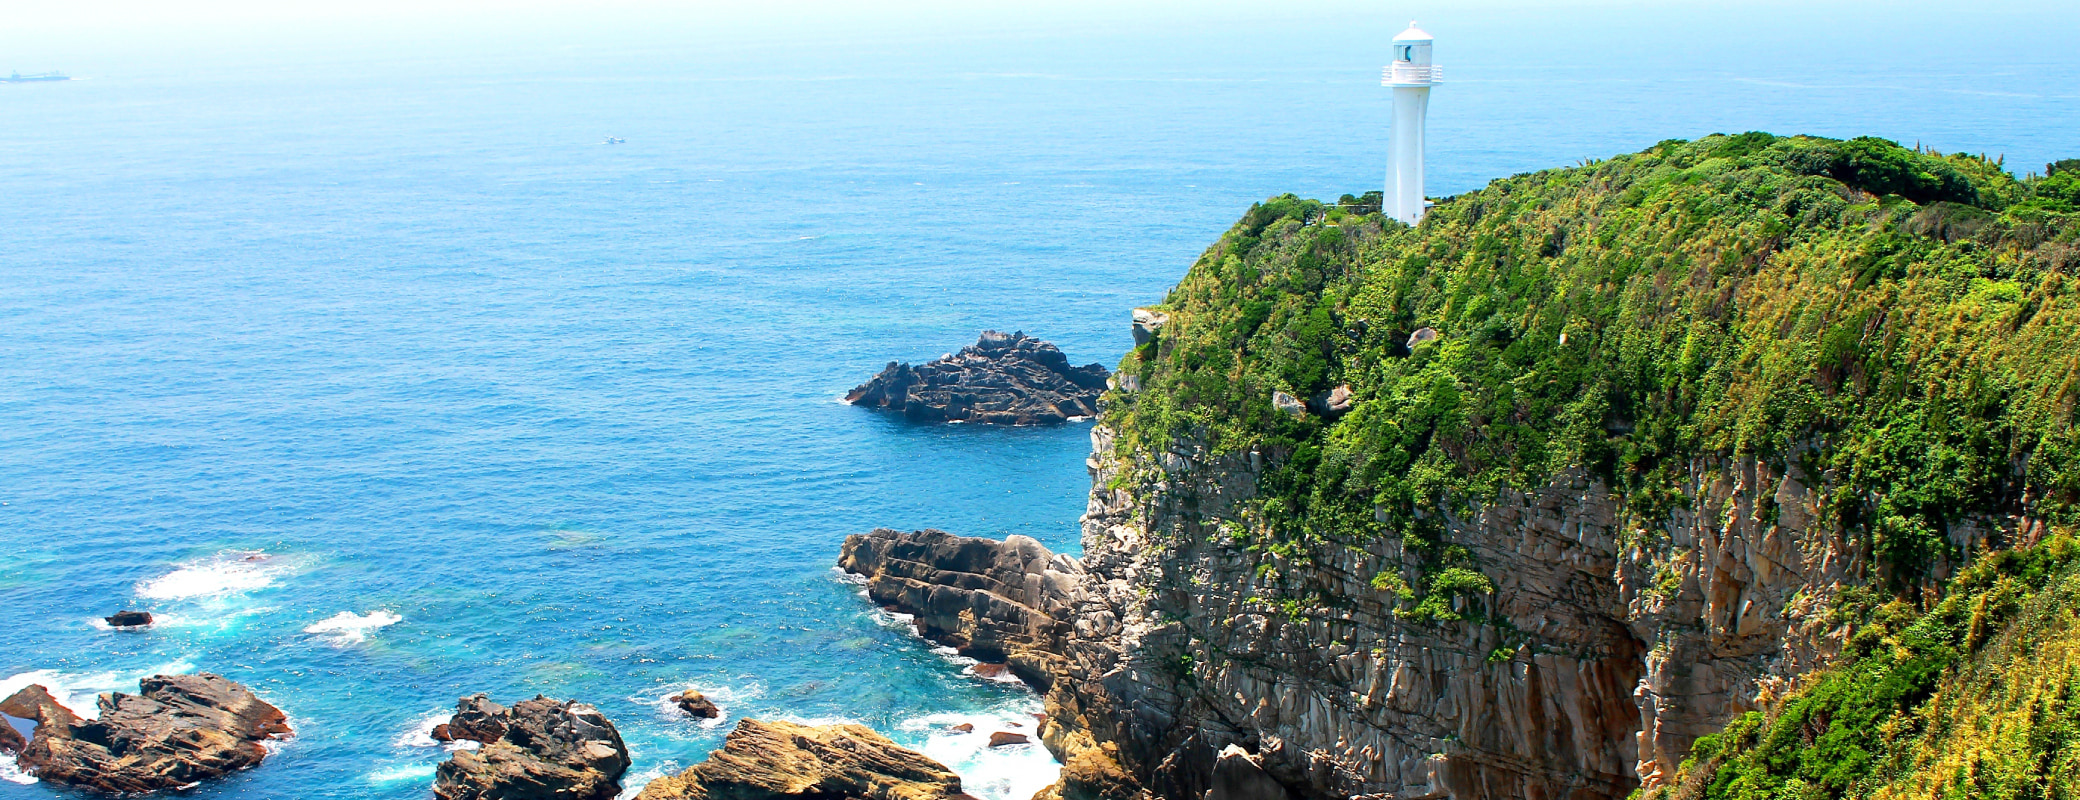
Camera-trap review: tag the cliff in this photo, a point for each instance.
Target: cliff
(1524, 501)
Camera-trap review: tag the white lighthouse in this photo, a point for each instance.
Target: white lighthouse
(1410, 76)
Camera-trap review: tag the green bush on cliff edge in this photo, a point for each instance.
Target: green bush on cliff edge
(1900, 327)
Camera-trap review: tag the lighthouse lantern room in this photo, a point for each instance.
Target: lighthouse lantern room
(1410, 76)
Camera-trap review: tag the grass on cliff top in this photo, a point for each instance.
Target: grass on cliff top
(1902, 326)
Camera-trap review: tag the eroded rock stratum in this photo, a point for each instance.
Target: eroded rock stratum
(1588, 669)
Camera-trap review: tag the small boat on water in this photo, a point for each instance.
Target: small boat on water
(35, 76)
(615, 140)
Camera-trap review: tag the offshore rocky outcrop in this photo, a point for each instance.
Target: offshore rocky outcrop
(776, 760)
(1523, 502)
(176, 732)
(1002, 379)
(537, 750)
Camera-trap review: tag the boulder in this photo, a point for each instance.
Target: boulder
(988, 670)
(773, 760)
(695, 705)
(965, 727)
(1003, 379)
(1288, 404)
(1422, 334)
(129, 619)
(1332, 403)
(177, 731)
(478, 719)
(1007, 738)
(547, 750)
(442, 733)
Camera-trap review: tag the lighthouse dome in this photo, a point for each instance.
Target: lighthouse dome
(1413, 34)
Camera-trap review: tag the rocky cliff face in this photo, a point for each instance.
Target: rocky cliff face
(1603, 650)
(1004, 379)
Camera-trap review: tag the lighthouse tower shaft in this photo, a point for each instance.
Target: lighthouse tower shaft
(1404, 191)
(1410, 76)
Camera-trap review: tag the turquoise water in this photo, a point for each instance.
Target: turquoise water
(383, 381)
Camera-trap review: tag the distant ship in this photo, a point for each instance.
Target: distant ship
(39, 76)
(615, 140)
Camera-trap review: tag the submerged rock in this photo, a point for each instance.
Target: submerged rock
(695, 704)
(773, 760)
(128, 619)
(545, 749)
(177, 731)
(1003, 379)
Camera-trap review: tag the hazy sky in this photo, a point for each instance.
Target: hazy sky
(74, 34)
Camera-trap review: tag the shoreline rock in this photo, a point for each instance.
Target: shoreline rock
(1006, 602)
(1001, 379)
(129, 619)
(545, 748)
(776, 760)
(695, 705)
(177, 731)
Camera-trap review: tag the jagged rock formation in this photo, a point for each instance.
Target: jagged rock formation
(774, 760)
(1003, 379)
(177, 731)
(536, 750)
(1008, 601)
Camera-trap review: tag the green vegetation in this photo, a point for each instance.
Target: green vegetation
(1977, 698)
(1901, 319)
(1902, 325)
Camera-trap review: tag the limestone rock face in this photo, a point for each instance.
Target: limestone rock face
(546, 750)
(177, 731)
(775, 760)
(1004, 379)
(1171, 640)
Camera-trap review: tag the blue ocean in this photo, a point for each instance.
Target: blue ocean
(377, 374)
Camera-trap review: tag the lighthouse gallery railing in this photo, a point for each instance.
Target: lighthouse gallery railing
(1405, 74)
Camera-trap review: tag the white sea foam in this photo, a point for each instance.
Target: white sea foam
(1005, 676)
(842, 576)
(401, 772)
(724, 697)
(1013, 772)
(12, 773)
(632, 785)
(220, 575)
(78, 691)
(347, 627)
